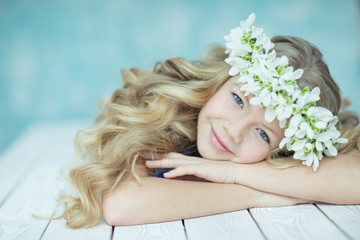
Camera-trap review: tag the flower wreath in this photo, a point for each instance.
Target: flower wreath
(310, 133)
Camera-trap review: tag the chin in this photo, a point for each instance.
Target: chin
(214, 156)
(206, 153)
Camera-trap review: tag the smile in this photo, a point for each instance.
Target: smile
(217, 143)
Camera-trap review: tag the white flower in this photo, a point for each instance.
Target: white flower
(283, 113)
(341, 140)
(298, 145)
(265, 96)
(323, 137)
(243, 79)
(320, 113)
(316, 162)
(311, 131)
(308, 97)
(319, 146)
(284, 142)
(247, 24)
(305, 130)
(270, 114)
(238, 65)
(299, 154)
(293, 125)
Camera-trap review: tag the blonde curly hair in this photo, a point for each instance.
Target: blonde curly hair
(156, 112)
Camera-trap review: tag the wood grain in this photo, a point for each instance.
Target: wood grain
(39, 188)
(233, 225)
(157, 231)
(57, 230)
(346, 217)
(15, 160)
(30, 184)
(303, 221)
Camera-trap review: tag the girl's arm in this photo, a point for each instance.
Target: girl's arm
(337, 180)
(158, 200)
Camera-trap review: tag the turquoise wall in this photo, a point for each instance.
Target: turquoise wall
(59, 57)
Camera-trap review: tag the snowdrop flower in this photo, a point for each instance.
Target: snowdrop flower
(310, 133)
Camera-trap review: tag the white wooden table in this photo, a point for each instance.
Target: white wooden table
(30, 183)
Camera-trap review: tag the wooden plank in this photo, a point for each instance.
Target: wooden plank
(233, 225)
(303, 221)
(16, 159)
(169, 230)
(346, 217)
(32, 166)
(38, 192)
(57, 230)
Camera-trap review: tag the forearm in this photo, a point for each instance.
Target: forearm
(336, 181)
(158, 200)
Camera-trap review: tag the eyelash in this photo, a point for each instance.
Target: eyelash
(262, 133)
(238, 100)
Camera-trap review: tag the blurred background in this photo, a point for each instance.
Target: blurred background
(59, 57)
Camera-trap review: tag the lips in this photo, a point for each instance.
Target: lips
(217, 143)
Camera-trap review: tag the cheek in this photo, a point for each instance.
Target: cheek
(216, 103)
(252, 153)
(202, 122)
(202, 129)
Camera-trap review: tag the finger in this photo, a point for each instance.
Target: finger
(150, 164)
(155, 156)
(177, 172)
(166, 163)
(152, 156)
(183, 171)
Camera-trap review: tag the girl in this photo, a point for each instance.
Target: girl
(220, 115)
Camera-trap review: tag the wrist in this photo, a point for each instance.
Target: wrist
(245, 196)
(247, 174)
(240, 173)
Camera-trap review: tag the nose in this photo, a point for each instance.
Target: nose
(237, 128)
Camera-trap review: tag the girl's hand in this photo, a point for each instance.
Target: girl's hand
(194, 168)
(214, 171)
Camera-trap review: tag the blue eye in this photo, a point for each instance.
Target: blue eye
(238, 100)
(263, 135)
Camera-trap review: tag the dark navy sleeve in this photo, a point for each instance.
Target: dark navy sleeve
(192, 151)
(189, 151)
(159, 172)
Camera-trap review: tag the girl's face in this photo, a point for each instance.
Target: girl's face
(230, 128)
